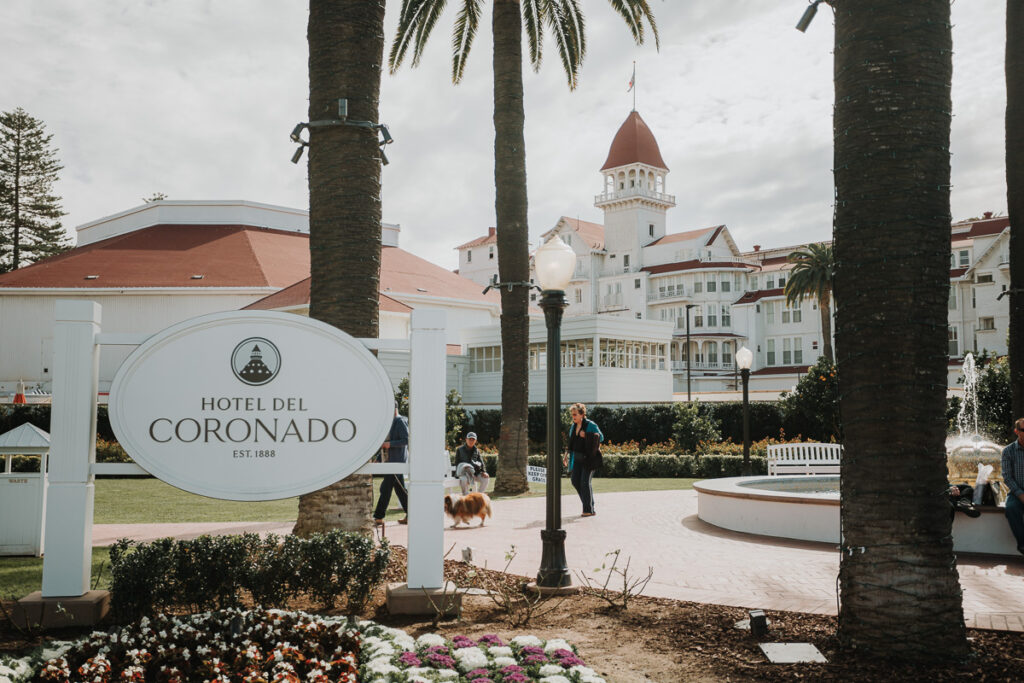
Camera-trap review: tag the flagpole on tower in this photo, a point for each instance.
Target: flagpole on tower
(632, 84)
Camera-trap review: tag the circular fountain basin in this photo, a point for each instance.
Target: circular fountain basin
(806, 508)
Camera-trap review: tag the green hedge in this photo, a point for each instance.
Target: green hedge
(12, 416)
(660, 466)
(210, 572)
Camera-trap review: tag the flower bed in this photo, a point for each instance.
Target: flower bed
(276, 646)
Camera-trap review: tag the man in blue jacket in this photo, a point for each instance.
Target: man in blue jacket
(394, 451)
(1013, 475)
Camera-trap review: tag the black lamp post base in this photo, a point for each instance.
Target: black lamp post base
(553, 570)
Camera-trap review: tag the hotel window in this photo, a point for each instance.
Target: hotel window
(736, 282)
(639, 316)
(770, 282)
(579, 296)
(726, 353)
(578, 353)
(636, 283)
(712, 316)
(770, 352)
(726, 316)
(698, 317)
(538, 357)
(986, 323)
(490, 252)
(469, 256)
(726, 285)
(798, 351)
(952, 298)
(711, 283)
(698, 285)
(782, 281)
(791, 315)
(485, 359)
(712, 352)
(650, 230)
(753, 283)
(965, 259)
(787, 351)
(625, 262)
(983, 279)
(769, 312)
(954, 343)
(974, 297)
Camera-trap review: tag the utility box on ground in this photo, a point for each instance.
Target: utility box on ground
(23, 493)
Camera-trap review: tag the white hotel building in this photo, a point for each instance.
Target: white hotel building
(624, 335)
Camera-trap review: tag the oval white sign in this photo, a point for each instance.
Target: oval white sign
(251, 405)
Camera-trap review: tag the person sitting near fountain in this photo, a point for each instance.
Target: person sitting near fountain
(1013, 476)
(961, 498)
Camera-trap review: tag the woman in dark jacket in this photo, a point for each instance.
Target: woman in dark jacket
(583, 458)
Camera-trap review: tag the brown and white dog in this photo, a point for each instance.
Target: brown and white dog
(465, 508)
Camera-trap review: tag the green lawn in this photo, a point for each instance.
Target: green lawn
(19, 576)
(141, 501)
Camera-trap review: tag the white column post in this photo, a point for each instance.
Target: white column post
(67, 560)
(427, 456)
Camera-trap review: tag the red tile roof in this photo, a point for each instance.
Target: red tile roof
(692, 264)
(592, 233)
(298, 295)
(169, 255)
(783, 370)
(684, 236)
(634, 143)
(750, 297)
(490, 238)
(404, 273)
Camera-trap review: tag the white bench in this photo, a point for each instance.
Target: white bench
(804, 458)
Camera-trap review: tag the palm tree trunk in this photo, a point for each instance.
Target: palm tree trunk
(346, 47)
(825, 308)
(898, 581)
(513, 254)
(1015, 193)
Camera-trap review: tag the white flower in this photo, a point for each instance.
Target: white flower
(430, 640)
(527, 641)
(470, 658)
(557, 644)
(502, 662)
(555, 679)
(584, 672)
(499, 651)
(445, 674)
(382, 665)
(550, 670)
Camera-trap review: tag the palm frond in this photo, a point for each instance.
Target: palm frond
(533, 22)
(634, 12)
(565, 20)
(414, 26)
(466, 24)
(811, 275)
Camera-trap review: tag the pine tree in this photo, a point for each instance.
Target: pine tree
(30, 213)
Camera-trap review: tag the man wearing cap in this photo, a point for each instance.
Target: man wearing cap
(469, 466)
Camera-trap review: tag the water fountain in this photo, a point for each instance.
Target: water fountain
(967, 448)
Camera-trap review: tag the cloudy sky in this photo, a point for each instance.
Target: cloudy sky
(195, 99)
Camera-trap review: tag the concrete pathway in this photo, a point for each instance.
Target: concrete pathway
(692, 560)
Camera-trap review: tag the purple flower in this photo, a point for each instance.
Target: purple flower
(441, 661)
(478, 673)
(409, 659)
(562, 653)
(490, 639)
(482, 679)
(536, 659)
(569, 662)
(437, 650)
(515, 678)
(531, 650)
(511, 669)
(462, 641)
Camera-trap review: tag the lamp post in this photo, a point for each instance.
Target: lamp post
(743, 360)
(688, 350)
(555, 262)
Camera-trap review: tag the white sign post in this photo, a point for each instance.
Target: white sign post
(245, 405)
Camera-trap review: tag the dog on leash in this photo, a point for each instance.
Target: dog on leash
(464, 508)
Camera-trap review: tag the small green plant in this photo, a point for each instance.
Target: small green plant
(692, 427)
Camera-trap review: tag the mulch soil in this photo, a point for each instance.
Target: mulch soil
(655, 639)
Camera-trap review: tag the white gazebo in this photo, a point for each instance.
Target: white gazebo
(23, 494)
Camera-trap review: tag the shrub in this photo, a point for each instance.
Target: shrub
(812, 409)
(210, 571)
(691, 426)
(995, 400)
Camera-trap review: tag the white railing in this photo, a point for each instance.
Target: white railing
(668, 293)
(634, 192)
(680, 365)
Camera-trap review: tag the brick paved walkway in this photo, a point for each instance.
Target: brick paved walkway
(692, 560)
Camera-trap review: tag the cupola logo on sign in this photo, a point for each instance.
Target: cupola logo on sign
(256, 361)
(257, 428)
